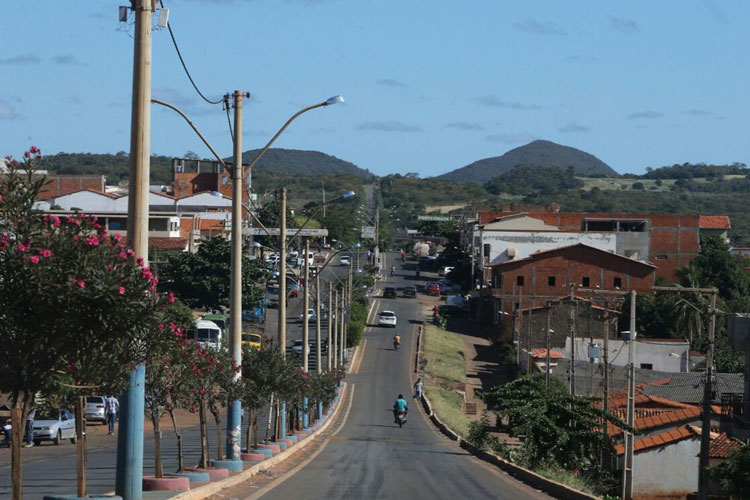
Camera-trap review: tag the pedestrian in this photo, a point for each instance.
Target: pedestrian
(113, 407)
(7, 431)
(435, 311)
(418, 388)
(30, 428)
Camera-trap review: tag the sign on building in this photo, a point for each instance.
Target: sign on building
(368, 232)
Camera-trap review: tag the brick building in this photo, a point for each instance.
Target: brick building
(190, 177)
(60, 185)
(669, 241)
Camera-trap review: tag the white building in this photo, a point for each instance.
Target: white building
(663, 355)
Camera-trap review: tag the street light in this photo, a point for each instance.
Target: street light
(234, 418)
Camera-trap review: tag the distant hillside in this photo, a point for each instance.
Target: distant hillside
(541, 153)
(293, 162)
(114, 166)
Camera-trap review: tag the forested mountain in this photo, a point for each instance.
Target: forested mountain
(540, 153)
(293, 162)
(114, 166)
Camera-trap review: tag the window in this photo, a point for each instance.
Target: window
(618, 282)
(662, 256)
(586, 282)
(519, 280)
(647, 366)
(550, 281)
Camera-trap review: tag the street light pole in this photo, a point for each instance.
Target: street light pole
(234, 416)
(306, 327)
(336, 329)
(331, 315)
(319, 361)
(282, 296)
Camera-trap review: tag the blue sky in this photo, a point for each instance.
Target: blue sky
(431, 85)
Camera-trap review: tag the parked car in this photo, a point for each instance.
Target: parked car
(387, 318)
(389, 292)
(445, 270)
(345, 260)
(297, 347)
(54, 425)
(96, 409)
(252, 340)
(449, 288)
(451, 310)
(433, 289)
(410, 291)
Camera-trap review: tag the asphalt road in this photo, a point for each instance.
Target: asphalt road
(371, 457)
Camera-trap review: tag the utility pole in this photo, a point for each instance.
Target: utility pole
(282, 297)
(129, 472)
(335, 330)
(306, 327)
(605, 364)
(234, 416)
(627, 470)
(572, 329)
(319, 363)
(703, 461)
(331, 314)
(549, 358)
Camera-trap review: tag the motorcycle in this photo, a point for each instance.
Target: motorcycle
(396, 345)
(393, 271)
(401, 418)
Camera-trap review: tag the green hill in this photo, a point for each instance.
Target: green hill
(540, 153)
(293, 162)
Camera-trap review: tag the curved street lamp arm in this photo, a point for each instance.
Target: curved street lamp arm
(281, 131)
(178, 111)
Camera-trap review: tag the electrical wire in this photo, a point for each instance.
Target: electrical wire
(184, 66)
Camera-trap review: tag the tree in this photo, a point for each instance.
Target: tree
(557, 428)
(734, 474)
(66, 287)
(202, 279)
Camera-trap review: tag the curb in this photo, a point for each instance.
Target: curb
(207, 490)
(526, 476)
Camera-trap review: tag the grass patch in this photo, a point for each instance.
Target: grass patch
(444, 352)
(580, 483)
(449, 408)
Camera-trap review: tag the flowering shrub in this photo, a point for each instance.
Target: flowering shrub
(79, 308)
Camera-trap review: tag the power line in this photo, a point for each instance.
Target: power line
(184, 66)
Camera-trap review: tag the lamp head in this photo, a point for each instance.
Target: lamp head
(348, 194)
(334, 100)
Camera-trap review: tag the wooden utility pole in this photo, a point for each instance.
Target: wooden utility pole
(305, 311)
(627, 470)
(572, 330)
(549, 358)
(605, 364)
(80, 446)
(129, 469)
(331, 314)
(318, 353)
(703, 462)
(335, 346)
(282, 275)
(16, 422)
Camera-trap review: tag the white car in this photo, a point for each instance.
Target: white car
(444, 271)
(54, 425)
(387, 318)
(310, 316)
(345, 260)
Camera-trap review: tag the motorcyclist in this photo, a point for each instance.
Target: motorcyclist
(393, 270)
(400, 406)
(396, 341)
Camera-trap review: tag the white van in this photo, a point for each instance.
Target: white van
(206, 333)
(310, 259)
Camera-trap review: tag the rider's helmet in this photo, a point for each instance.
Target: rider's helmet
(400, 396)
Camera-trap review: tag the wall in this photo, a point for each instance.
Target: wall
(654, 352)
(672, 469)
(526, 243)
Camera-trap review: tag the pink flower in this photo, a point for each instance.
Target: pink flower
(170, 297)
(34, 259)
(160, 326)
(35, 150)
(122, 290)
(21, 247)
(130, 252)
(92, 240)
(76, 238)
(45, 253)
(82, 284)
(123, 256)
(1, 197)
(56, 221)
(27, 154)
(117, 237)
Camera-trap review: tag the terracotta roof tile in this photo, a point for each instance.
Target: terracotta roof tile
(167, 243)
(663, 439)
(714, 222)
(723, 446)
(542, 353)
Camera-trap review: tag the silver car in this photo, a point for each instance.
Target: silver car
(96, 409)
(54, 425)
